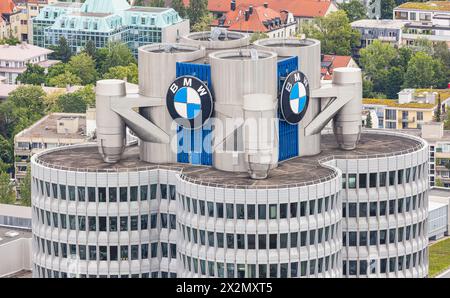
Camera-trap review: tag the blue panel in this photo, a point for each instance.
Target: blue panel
(192, 142)
(288, 133)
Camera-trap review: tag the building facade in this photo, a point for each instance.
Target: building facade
(11, 18)
(14, 60)
(104, 21)
(295, 203)
(429, 20)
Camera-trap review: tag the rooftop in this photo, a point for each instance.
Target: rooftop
(388, 24)
(300, 8)
(394, 104)
(9, 235)
(6, 89)
(21, 52)
(430, 5)
(418, 133)
(7, 7)
(47, 128)
(15, 211)
(330, 62)
(297, 171)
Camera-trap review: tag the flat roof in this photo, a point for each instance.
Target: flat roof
(301, 170)
(21, 274)
(4, 238)
(6, 89)
(387, 24)
(15, 211)
(430, 5)
(418, 133)
(21, 52)
(393, 103)
(47, 128)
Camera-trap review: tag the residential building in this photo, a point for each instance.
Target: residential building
(412, 109)
(14, 60)
(439, 211)
(11, 15)
(103, 21)
(388, 31)
(303, 10)
(54, 130)
(260, 19)
(429, 20)
(28, 10)
(330, 62)
(276, 199)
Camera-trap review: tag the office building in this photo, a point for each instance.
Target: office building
(104, 21)
(221, 184)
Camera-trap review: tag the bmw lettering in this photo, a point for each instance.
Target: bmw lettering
(189, 102)
(294, 97)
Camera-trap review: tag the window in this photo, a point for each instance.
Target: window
(144, 222)
(230, 240)
(102, 194)
(91, 194)
(240, 241)
(372, 180)
(153, 189)
(113, 253)
(230, 211)
(92, 253)
(202, 207)
(293, 209)
(102, 223)
(163, 191)
(112, 192)
(272, 211)
(294, 239)
(72, 224)
(133, 193)
(391, 178)
(123, 194)
(134, 223)
(92, 223)
(220, 240)
(352, 209)
(210, 206)
(363, 267)
(362, 238)
(261, 211)
(103, 253)
(113, 224)
(251, 241)
(283, 210)
(240, 213)
(302, 208)
(373, 208)
(312, 205)
(144, 192)
(352, 181)
(352, 238)
(163, 220)
(172, 192)
(362, 180)
(123, 223)
(373, 238)
(250, 211)
(124, 252)
(81, 194)
(273, 241)
(362, 209)
(262, 241)
(134, 252)
(82, 252)
(219, 210)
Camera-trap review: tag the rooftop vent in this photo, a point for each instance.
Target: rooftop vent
(11, 234)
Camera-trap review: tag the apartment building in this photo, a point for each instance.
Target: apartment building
(430, 20)
(389, 31)
(14, 60)
(11, 16)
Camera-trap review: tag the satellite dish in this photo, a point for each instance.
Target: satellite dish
(215, 34)
(254, 54)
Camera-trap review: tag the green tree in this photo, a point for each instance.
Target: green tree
(204, 24)
(178, 5)
(25, 189)
(90, 48)
(72, 103)
(257, 36)
(129, 72)
(87, 93)
(369, 121)
(423, 71)
(6, 151)
(28, 97)
(387, 6)
(438, 113)
(334, 32)
(367, 88)
(34, 75)
(157, 3)
(7, 195)
(196, 11)
(64, 79)
(12, 41)
(83, 66)
(117, 54)
(393, 82)
(355, 10)
(62, 50)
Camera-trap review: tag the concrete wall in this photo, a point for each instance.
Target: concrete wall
(15, 256)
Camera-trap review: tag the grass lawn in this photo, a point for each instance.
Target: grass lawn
(439, 257)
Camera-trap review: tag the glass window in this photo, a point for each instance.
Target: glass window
(362, 238)
(273, 241)
(123, 223)
(272, 211)
(144, 192)
(240, 211)
(250, 211)
(230, 211)
(172, 192)
(352, 267)
(124, 252)
(362, 209)
(202, 207)
(220, 240)
(262, 271)
(134, 220)
(362, 180)
(113, 224)
(372, 180)
(133, 193)
(63, 219)
(352, 181)
(400, 206)
(163, 220)
(91, 194)
(294, 239)
(153, 189)
(293, 209)
(92, 253)
(352, 238)
(383, 179)
(82, 252)
(112, 193)
(102, 224)
(219, 210)
(262, 241)
(72, 224)
(302, 208)
(391, 207)
(103, 253)
(113, 253)
(230, 240)
(210, 206)
(92, 223)
(391, 178)
(312, 205)
(144, 222)
(240, 241)
(211, 239)
(373, 238)
(251, 241)
(72, 193)
(163, 191)
(81, 194)
(391, 235)
(373, 208)
(352, 209)
(273, 270)
(283, 210)
(124, 194)
(134, 252)
(363, 267)
(261, 211)
(283, 240)
(312, 237)
(102, 194)
(382, 209)
(62, 192)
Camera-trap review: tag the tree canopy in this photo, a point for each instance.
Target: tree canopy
(356, 10)
(33, 75)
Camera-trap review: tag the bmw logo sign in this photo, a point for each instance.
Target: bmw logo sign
(189, 102)
(294, 97)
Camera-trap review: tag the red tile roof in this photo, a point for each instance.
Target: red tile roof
(300, 8)
(7, 6)
(336, 61)
(235, 20)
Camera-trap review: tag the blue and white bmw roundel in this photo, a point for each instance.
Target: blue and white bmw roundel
(294, 97)
(189, 102)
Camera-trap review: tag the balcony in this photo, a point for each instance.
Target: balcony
(387, 38)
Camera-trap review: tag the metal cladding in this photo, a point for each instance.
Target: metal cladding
(219, 40)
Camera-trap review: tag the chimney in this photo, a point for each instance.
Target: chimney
(233, 5)
(247, 15)
(266, 5)
(250, 9)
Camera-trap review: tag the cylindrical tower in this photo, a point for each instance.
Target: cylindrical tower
(236, 73)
